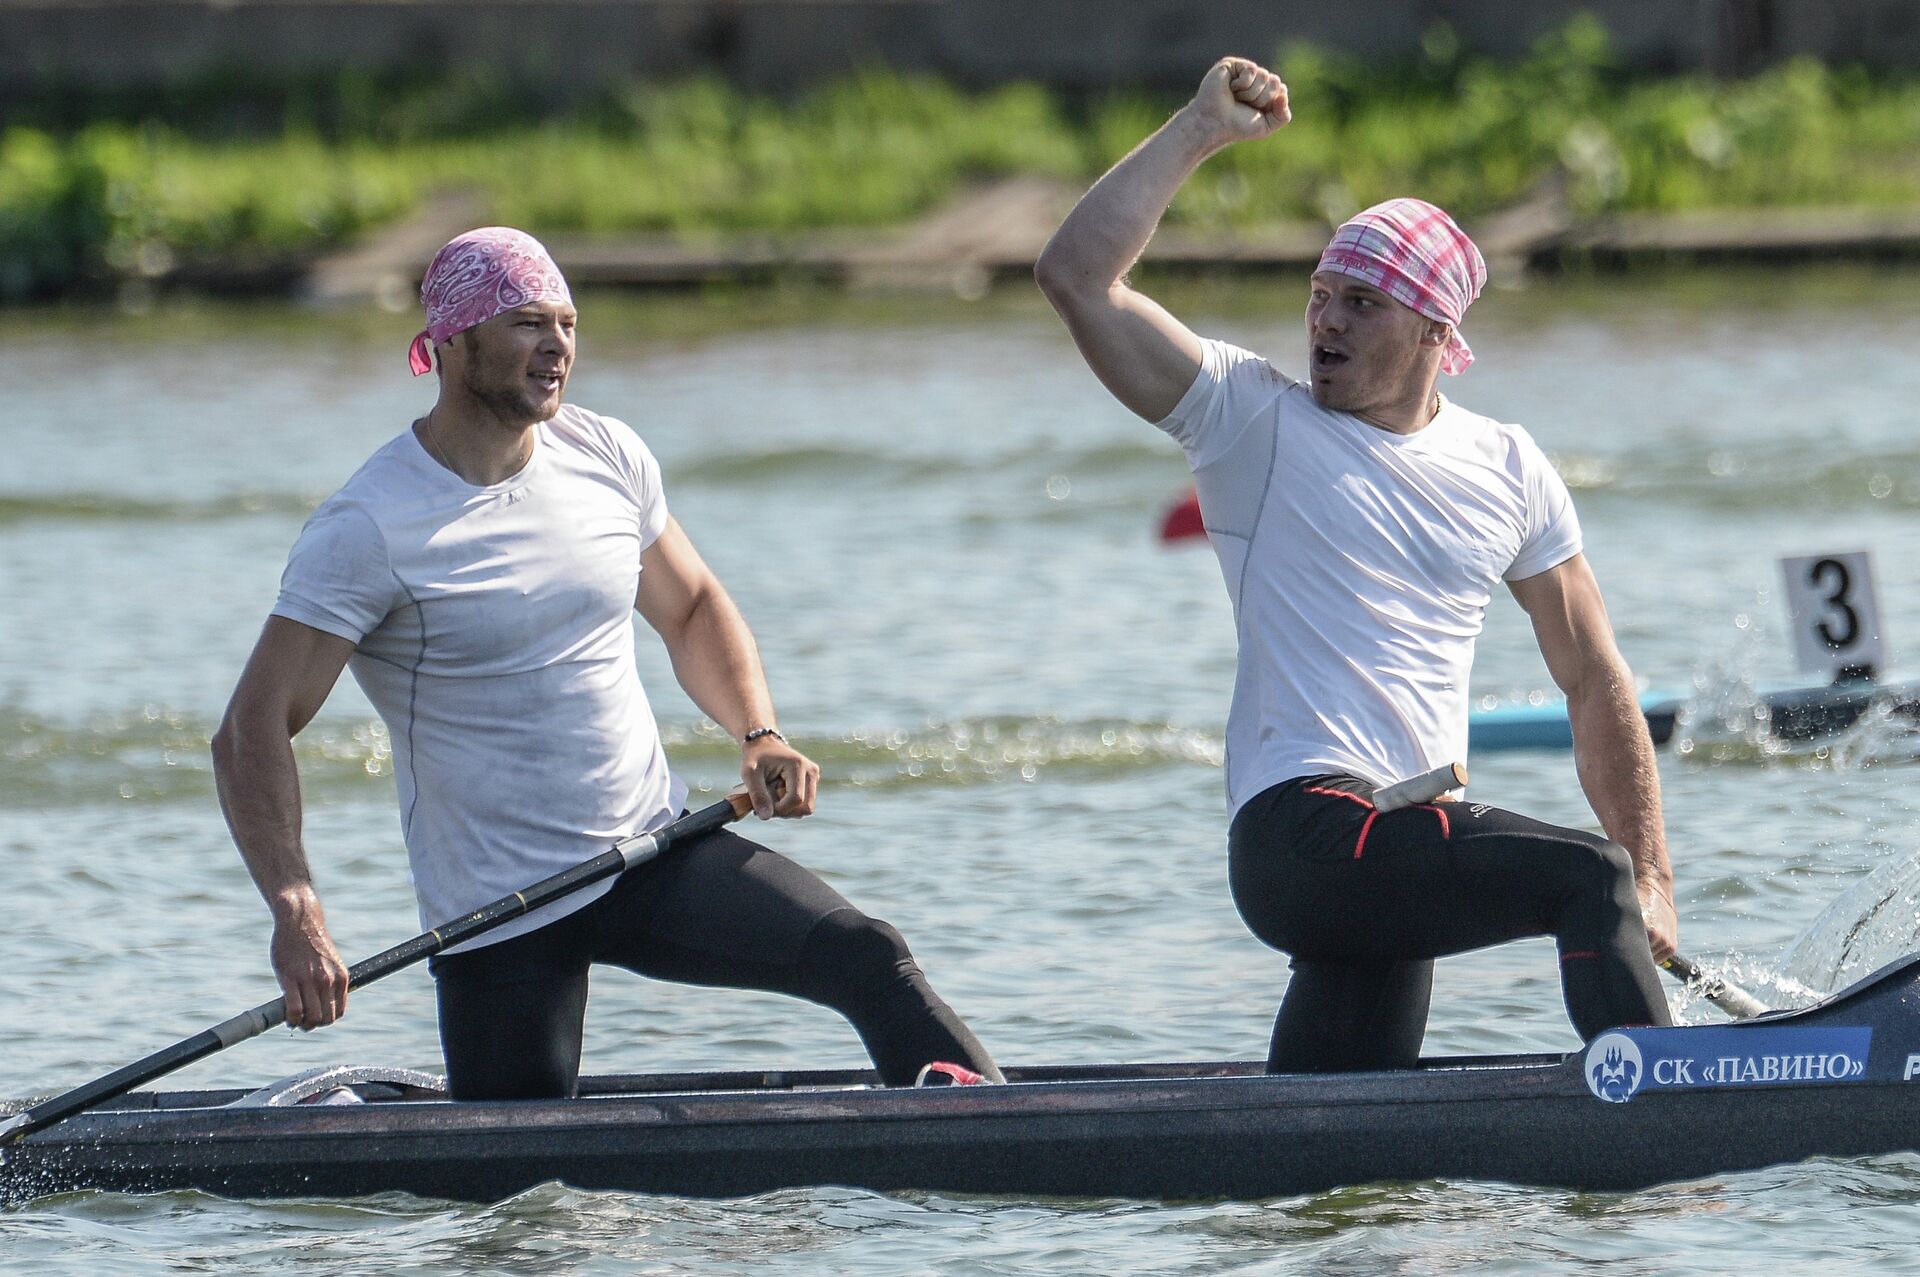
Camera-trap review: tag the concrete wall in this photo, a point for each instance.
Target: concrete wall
(782, 43)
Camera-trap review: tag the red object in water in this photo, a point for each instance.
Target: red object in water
(1183, 519)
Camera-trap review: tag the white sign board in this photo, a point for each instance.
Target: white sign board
(1834, 614)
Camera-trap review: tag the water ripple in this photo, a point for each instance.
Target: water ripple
(160, 755)
(113, 507)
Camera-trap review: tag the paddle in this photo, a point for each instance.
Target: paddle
(622, 856)
(1729, 997)
(1428, 786)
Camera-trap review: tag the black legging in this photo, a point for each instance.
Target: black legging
(723, 911)
(1363, 902)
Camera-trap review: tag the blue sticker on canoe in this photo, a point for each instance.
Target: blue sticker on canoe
(1621, 1063)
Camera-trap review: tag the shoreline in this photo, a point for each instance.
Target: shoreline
(993, 232)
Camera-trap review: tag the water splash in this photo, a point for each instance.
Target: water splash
(1883, 734)
(1874, 922)
(1767, 982)
(1728, 720)
(1725, 720)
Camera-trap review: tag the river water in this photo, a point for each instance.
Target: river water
(942, 531)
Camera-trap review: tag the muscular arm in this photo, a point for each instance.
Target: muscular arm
(287, 679)
(1142, 354)
(716, 660)
(1611, 748)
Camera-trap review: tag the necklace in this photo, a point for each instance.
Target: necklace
(425, 432)
(424, 435)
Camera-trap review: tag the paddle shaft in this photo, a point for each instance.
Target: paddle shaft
(623, 855)
(1424, 788)
(1731, 998)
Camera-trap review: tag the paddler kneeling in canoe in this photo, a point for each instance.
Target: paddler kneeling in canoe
(480, 574)
(1362, 522)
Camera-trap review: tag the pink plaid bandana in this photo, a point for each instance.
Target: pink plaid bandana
(477, 276)
(1413, 252)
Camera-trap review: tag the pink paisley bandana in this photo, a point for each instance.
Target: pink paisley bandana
(477, 276)
(1413, 252)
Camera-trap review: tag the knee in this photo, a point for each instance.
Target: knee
(1606, 869)
(850, 941)
(1616, 862)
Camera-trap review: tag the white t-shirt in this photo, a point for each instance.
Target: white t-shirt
(1360, 563)
(495, 637)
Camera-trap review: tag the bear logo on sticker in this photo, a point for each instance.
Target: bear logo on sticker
(1614, 1067)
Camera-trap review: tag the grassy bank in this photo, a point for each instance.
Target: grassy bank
(230, 169)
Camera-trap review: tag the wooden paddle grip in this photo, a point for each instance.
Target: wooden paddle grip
(1423, 788)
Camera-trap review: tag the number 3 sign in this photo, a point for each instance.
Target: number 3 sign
(1835, 617)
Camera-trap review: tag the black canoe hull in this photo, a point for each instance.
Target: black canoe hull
(1233, 1138)
(1168, 1131)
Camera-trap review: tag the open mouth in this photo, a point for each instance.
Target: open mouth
(546, 381)
(1326, 358)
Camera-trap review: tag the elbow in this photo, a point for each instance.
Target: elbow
(226, 747)
(1076, 277)
(1048, 275)
(1066, 288)
(1056, 275)
(236, 740)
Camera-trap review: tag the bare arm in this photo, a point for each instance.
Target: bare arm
(1142, 354)
(716, 660)
(287, 679)
(1611, 748)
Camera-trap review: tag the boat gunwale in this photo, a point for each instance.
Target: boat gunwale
(1060, 1097)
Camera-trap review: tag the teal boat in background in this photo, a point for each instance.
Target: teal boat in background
(1793, 714)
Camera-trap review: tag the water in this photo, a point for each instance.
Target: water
(941, 529)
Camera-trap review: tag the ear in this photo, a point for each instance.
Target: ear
(1437, 334)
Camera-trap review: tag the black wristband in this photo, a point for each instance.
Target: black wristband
(758, 732)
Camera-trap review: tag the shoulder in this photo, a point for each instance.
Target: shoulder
(589, 431)
(1226, 361)
(613, 454)
(1232, 388)
(385, 479)
(1505, 444)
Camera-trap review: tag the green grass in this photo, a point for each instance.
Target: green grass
(96, 190)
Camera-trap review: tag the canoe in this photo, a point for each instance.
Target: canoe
(1793, 714)
(1634, 1108)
